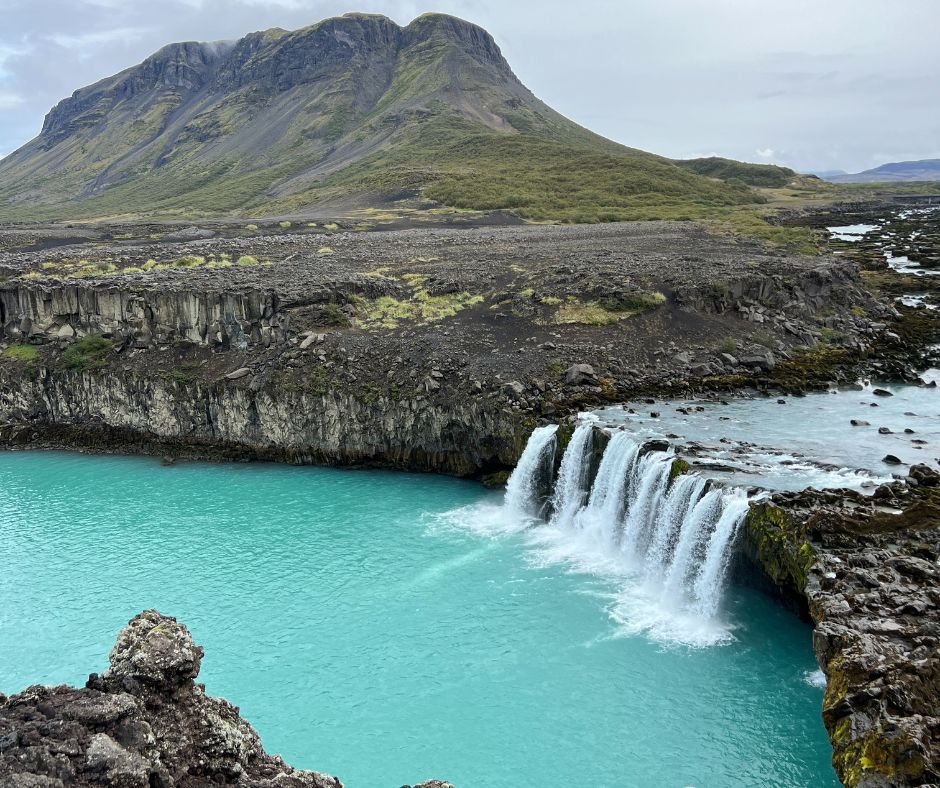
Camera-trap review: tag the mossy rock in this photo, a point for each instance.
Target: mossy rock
(496, 479)
(679, 467)
(783, 550)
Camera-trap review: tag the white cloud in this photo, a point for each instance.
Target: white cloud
(10, 100)
(123, 34)
(6, 52)
(765, 153)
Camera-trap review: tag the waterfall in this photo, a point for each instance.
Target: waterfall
(710, 580)
(606, 501)
(652, 477)
(571, 485)
(683, 494)
(673, 536)
(523, 487)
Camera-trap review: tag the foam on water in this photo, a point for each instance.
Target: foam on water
(851, 232)
(815, 678)
(663, 543)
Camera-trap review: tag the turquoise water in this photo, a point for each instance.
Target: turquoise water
(363, 634)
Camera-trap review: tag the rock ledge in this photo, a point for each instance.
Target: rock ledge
(143, 723)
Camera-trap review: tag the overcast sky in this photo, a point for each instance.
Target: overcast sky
(812, 84)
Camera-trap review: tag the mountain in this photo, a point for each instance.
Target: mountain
(354, 110)
(923, 170)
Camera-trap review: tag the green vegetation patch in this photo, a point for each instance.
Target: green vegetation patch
(768, 176)
(602, 313)
(749, 223)
(421, 308)
(24, 353)
(89, 353)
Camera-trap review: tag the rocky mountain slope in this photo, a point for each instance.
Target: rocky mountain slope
(143, 723)
(352, 110)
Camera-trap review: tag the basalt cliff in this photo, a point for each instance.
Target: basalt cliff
(143, 723)
(865, 570)
(418, 349)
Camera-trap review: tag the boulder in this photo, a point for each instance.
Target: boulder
(580, 375)
(924, 475)
(765, 362)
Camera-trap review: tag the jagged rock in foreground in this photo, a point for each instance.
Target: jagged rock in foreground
(144, 722)
(868, 570)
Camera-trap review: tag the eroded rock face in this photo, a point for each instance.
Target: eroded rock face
(870, 577)
(143, 723)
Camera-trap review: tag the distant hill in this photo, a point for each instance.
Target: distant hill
(355, 111)
(923, 170)
(764, 175)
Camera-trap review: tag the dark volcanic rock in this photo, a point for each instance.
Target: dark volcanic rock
(870, 579)
(143, 723)
(580, 375)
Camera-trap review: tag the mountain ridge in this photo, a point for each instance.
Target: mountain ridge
(280, 120)
(896, 171)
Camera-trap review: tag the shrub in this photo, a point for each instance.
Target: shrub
(334, 316)
(87, 354)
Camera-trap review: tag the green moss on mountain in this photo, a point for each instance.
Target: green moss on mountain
(768, 176)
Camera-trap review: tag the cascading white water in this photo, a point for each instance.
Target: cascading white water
(571, 485)
(606, 501)
(652, 478)
(684, 492)
(673, 534)
(522, 488)
(711, 577)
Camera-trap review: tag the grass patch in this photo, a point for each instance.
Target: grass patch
(89, 353)
(588, 313)
(749, 223)
(606, 312)
(24, 353)
(634, 302)
(422, 308)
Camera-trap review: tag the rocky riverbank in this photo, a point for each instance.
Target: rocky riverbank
(143, 723)
(866, 570)
(419, 349)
